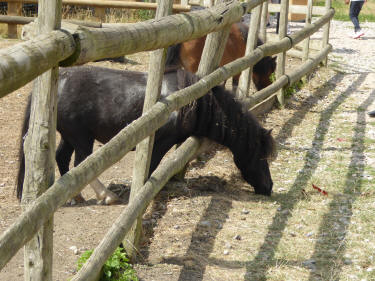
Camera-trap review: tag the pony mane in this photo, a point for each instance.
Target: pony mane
(221, 117)
(238, 113)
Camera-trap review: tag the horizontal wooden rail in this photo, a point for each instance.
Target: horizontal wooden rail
(288, 79)
(310, 64)
(155, 34)
(93, 43)
(24, 62)
(27, 20)
(297, 9)
(111, 4)
(309, 30)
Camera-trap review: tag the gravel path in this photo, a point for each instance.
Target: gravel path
(348, 55)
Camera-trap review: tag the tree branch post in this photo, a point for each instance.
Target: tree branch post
(280, 67)
(144, 148)
(40, 152)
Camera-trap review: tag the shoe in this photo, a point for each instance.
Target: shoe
(371, 113)
(358, 34)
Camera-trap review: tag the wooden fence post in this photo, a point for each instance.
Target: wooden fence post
(14, 9)
(144, 148)
(280, 67)
(40, 152)
(328, 4)
(306, 46)
(263, 23)
(245, 78)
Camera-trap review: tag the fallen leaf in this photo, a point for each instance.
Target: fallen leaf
(320, 190)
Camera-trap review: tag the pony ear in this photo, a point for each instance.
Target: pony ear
(269, 132)
(274, 59)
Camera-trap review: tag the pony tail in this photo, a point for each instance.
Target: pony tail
(21, 154)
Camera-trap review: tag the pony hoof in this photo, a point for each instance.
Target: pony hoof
(108, 197)
(111, 199)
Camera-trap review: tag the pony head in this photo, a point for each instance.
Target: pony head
(254, 165)
(262, 72)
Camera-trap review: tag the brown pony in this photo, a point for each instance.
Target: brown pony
(188, 54)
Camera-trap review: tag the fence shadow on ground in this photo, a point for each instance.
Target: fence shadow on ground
(265, 257)
(201, 244)
(340, 209)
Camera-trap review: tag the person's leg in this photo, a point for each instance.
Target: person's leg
(355, 8)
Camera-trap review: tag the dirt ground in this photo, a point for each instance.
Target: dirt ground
(206, 228)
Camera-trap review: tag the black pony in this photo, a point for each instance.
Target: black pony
(95, 103)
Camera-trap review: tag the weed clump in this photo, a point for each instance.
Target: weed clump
(116, 268)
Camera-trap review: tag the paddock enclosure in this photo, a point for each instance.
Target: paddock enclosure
(78, 44)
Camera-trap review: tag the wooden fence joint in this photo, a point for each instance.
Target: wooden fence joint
(77, 52)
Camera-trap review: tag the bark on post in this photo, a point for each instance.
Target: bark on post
(40, 152)
(280, 68)
(14, 9)
(245, 78)
(144, 148)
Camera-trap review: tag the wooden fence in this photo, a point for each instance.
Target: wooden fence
(15, 10)
(40, 57)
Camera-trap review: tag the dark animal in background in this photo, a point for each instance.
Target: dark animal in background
(96, 103)
(188, 54)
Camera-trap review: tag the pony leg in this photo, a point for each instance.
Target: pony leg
(64, 153)
(235, 83)
(103, 193)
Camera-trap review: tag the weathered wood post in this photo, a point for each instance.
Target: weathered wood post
(263, 23)
(306, 44)
(328, 4)
(280, 67)
(245, 78)
(40, 152)
(14, 9)
(144, 148)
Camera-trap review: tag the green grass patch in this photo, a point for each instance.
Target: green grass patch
(116, 268)
(342, 10)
